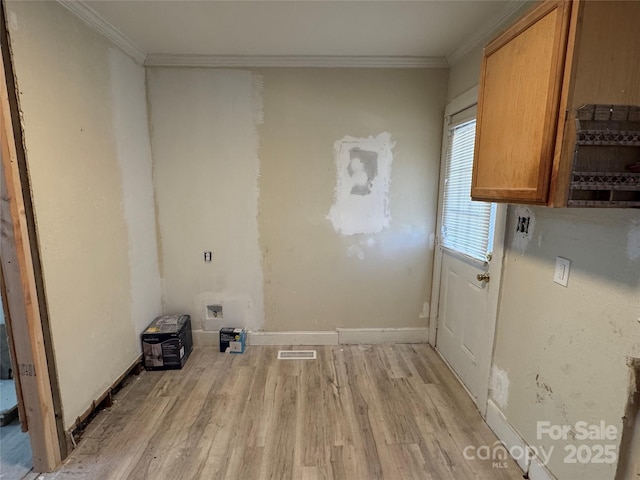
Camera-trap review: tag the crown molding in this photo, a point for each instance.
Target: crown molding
(97, 22)
(327, 61)
(489, 29)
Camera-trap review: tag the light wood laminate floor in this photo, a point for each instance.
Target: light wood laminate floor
(357, 412)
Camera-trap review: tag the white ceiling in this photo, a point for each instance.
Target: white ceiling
(303, 28)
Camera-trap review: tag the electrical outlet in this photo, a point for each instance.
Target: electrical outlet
(561, 275)
(522, 225)
(208, 256)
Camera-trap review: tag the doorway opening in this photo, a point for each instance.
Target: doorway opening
(15, 454)
(23, 295)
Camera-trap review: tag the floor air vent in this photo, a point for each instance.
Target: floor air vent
(297, 355)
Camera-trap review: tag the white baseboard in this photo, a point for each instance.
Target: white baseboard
(505, 432)
(203, 338)
(511, 438)
(293, 338)
(340, 336)
(537, 471)
(356, 336)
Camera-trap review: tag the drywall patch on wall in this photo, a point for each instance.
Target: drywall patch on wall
(206, 168)
(237, 310)
(524, 228)
(633, 241)
(499, 386)
(363, 167)
(133, 149)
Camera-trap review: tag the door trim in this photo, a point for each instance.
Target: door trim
(495, 267)
(458, 104)
(461, 102)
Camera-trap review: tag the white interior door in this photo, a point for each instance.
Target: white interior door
(468, 262)
(462, 317)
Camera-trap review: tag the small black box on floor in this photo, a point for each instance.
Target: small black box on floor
(167, 342)
(233, 339)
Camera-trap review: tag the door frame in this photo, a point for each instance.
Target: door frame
(22, 283)
(466, 100)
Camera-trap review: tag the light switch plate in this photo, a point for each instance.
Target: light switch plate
(561, 275)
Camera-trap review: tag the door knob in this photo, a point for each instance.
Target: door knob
(483, 277)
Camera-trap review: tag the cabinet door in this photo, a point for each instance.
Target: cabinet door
(520, 85)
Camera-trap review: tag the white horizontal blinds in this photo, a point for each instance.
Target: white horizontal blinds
(467, 226)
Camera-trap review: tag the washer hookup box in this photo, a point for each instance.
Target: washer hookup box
(167, 342)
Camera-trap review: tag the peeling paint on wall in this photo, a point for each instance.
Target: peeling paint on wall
(633, 241)
(525, 225)
(499, 386)
(363, 168)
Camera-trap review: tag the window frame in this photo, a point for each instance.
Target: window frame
(454, 121)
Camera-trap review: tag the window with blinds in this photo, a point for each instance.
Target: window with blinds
(467, 226)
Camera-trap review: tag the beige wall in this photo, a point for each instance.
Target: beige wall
(315, 278)
(215, 131)
(465, 74)
(564, 350)
(88, 153)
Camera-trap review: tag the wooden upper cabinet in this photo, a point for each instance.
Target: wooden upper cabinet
(534, 76)
(520, 86)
